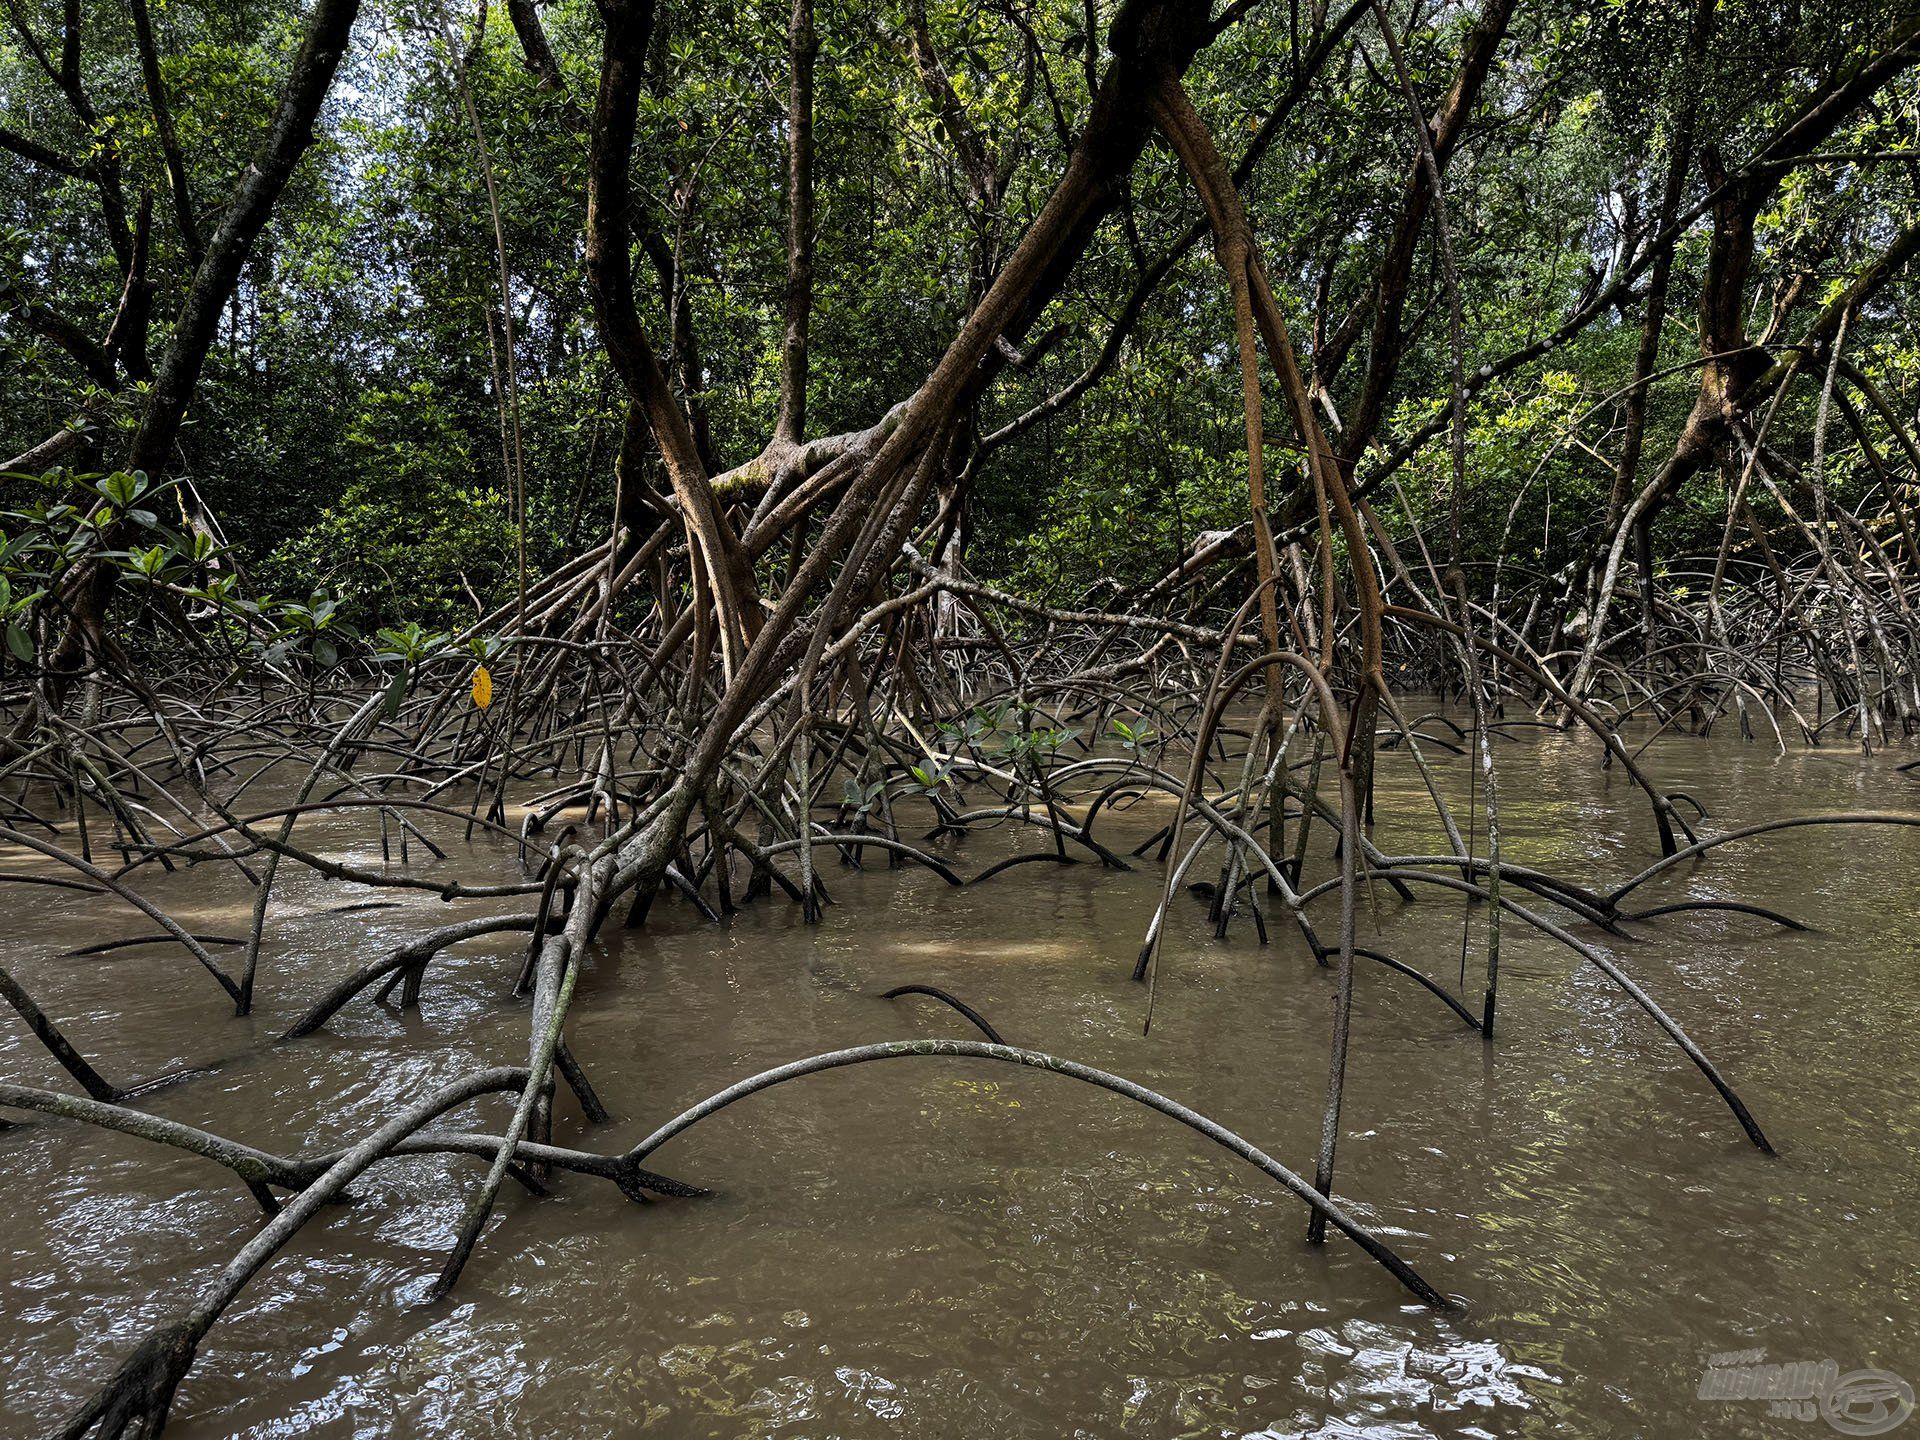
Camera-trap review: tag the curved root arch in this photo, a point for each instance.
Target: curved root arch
(1038, 1060)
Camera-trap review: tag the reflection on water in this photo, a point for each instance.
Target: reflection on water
(948, 1247)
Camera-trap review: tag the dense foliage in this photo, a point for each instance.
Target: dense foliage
(349, 432)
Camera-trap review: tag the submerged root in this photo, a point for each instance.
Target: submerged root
(136, 1401)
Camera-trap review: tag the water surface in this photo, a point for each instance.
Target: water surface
(943, 1247)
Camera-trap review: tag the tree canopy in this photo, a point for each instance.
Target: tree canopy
(347, 429)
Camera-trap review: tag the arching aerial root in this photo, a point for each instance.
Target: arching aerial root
(138, 1398)
(1036, 1060)
(262, 1171)
(978, 1020)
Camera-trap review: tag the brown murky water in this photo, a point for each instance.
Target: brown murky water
(941, 1247)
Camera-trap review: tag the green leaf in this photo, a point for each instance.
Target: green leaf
(120, 488)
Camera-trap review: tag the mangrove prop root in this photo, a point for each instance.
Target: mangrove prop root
(259, 1169)
(1036, 1060)
(138, 1397)
(978, 1020)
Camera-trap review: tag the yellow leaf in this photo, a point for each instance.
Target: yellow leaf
(482, 687)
